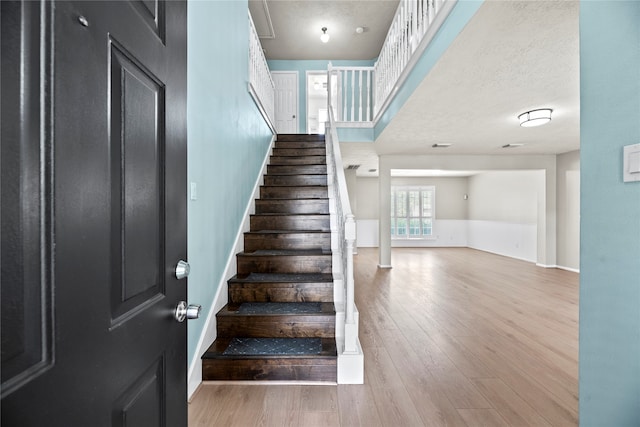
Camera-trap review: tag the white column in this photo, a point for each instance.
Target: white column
(384, 192)
(547, 219)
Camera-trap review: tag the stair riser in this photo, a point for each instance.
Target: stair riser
(290, 180)
(277, 151)
(290, 222)
(310, 206)
(300, 138)
(303, 160)
(294, 192)
(301, 241)
(248, 263)
(321, 326)
(280, 292)
(296, 169)
(266, 369)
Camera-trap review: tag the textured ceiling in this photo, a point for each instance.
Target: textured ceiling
(513, 56)
(510, 58)
(297, 27)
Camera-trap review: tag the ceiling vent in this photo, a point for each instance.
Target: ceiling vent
(512, 145)
(353, 167)
(441, 145)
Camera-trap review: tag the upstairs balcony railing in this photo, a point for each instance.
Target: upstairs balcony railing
(261, 84)
(359, 95)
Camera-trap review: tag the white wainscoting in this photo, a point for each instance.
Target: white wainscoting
(502, 238)
(367, 233)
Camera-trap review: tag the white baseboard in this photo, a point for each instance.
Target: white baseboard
(546, 266)
(573, 270)
(209, 331)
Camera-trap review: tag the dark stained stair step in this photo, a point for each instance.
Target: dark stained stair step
(265, 287)
(316, 366)
(306, 151)
(300, 144)
(293, 206)
(296, 169)
(277, 320)
(281, 261)
(291, 180)
(298, 160)
(299, 137)
(299, 222)
(294, 192)
(287, 239)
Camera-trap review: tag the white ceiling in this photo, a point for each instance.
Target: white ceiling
(297, 27)
(512, 56)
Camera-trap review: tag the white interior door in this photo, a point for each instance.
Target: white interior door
(286, 102)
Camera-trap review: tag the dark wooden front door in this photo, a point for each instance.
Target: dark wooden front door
(93, 213)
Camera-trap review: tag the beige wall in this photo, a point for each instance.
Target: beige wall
(568, 204)
(506, 196)
(450, 203)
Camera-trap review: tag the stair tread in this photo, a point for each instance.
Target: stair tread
(274, 231)
(290, 214)
(327, 348)
(287, 252)
(284, 278)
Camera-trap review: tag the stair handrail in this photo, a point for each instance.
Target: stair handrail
(345, 228)
(261, 85)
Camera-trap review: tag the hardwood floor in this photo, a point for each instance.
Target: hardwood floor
(452, 337)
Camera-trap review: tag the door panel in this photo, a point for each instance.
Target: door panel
(27, 348)
(142, 402)
(286, 101)
(105, 144)
(137, 169)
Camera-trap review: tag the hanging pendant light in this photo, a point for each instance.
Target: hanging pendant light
(324, 36)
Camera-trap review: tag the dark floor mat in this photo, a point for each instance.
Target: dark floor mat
(273, 346)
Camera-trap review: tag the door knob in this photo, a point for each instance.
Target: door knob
(182, 269)
(187, 312)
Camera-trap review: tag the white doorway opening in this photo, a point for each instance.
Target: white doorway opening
(317, 98)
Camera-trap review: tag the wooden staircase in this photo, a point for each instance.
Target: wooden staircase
(279, 323)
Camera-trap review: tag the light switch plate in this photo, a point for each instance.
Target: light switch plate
(631, 163)
(194, 191)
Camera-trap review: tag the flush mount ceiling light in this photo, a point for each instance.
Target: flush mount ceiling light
(324, 36)
(535, 117)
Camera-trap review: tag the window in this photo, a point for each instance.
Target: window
(412, 212)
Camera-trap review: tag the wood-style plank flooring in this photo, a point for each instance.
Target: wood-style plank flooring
(452, 337)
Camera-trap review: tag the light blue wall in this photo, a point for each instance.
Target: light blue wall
(302, 67)
(610, 215)
(228, 140)
(355, 134)
(462, 13)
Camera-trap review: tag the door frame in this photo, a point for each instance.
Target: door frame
(297, 96)
(308, 75)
